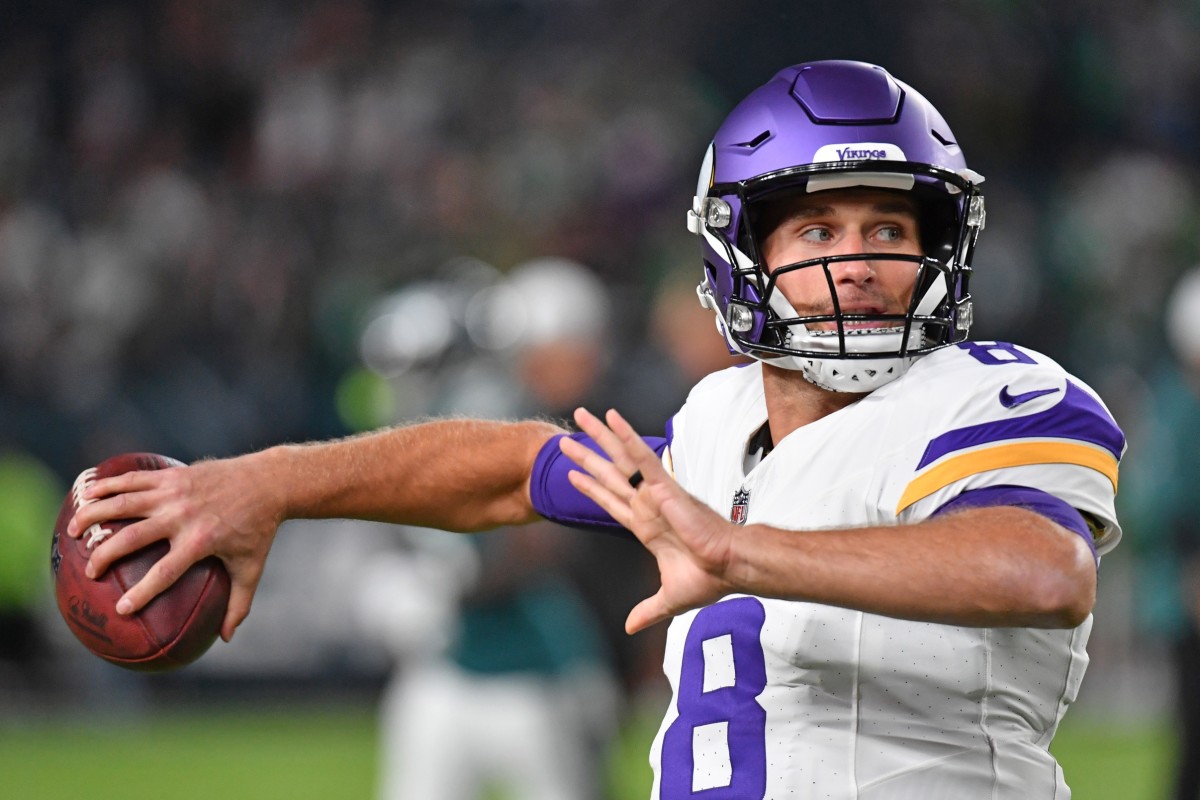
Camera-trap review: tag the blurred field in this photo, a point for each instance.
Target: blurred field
(193, 756)
(323, 754)
(1111, 761)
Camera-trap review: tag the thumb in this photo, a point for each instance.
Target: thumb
(649, 612)
(236, 611)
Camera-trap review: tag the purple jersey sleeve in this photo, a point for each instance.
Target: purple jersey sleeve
(557, 500)
(1035, 500)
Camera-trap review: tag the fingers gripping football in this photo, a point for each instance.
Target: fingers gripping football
(201, 510)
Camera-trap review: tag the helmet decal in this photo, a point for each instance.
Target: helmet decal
(859, 151)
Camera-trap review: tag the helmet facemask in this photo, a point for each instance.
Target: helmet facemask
(842, 351)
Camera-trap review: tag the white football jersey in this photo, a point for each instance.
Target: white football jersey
(781, 699)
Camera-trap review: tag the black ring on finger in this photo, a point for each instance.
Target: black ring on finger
(635, 479)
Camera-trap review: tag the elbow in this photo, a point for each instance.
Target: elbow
(1064, 593)
(1070, 607)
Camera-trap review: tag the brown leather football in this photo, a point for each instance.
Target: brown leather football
(173, 629)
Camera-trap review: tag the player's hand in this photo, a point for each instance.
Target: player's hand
(691, 543)
(212, 508)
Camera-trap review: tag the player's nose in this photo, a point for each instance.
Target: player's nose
(852, 270)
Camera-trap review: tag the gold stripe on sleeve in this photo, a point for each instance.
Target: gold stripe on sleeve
(1017, 454)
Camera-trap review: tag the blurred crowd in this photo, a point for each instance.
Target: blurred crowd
(197, 200)
(207, 208)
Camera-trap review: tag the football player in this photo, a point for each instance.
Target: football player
(878, 543)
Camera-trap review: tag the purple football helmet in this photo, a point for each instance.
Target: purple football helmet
(816, 127)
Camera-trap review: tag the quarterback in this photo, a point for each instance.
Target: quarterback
(878, 543)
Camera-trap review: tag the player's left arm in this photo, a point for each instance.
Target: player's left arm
(999, 566)
(996, 566)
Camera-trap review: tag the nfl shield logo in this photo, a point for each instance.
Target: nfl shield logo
(741, 500)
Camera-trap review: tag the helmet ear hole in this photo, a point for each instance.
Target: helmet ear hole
(938, 223)
(765, 214)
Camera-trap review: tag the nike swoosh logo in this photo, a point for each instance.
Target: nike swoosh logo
(1013, 400)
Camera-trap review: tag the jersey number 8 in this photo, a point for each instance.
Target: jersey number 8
(716, 747)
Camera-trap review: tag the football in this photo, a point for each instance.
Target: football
(173, 629)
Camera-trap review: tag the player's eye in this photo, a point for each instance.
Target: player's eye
(891, 234)
(817, 234)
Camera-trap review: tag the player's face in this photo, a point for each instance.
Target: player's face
(842, 222)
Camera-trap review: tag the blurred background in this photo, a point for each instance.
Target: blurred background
(225, 225)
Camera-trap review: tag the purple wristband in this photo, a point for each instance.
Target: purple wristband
(557, 500)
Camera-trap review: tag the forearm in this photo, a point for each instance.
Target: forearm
(994, 567)
(463, 475)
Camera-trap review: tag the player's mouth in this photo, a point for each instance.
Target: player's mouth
(855, 310)
(865, 325)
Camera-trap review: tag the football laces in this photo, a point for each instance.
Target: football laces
(95, 534)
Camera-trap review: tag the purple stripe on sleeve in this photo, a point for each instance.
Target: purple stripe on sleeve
(557, 500)
(1035, 500)
(1077, 416)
